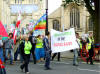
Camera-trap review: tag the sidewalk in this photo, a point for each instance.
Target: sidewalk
(69, 56)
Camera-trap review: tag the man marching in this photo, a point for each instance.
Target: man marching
(47, 51)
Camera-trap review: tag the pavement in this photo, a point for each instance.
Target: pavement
(62, 67)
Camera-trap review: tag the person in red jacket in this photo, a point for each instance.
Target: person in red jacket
(2, 68)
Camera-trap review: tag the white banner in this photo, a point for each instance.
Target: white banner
(63, 41)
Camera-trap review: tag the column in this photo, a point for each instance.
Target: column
(84, 20)
(62, 16)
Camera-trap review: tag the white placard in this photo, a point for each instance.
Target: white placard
(63, 41)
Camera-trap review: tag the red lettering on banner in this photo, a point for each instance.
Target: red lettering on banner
(63, 44)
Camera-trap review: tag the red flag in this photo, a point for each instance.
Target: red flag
(14, 35)
(17, 26)
(2, 30)
(18, 20)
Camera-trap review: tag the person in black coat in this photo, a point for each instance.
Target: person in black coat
(32, 39)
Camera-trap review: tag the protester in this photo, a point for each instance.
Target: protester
(21, 48)
(90, 48)
(9, 45)
(1, 49)
(17, 48)
(47, 51)
(26, 55)
(32, 39)
(39, 50)
(75, 60)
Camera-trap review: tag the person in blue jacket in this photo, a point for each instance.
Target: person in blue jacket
(47, 51)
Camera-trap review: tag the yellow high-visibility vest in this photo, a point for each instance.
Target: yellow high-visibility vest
(79, 42)
(88, 46)
(27, 47)
(39, 43)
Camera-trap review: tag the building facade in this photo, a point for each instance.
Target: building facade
(29, 10)
(69, 15)
(4, 12)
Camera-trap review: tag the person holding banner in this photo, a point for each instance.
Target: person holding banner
(54, 55)
(47, 51)
(75, 60)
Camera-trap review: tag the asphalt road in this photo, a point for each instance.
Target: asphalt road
(64, 67)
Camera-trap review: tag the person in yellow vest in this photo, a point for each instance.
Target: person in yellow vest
(89, 47)
(39, 50)
(26, 56)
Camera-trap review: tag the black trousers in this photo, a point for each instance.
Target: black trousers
(58, 58)
(33, 53)
(91, 53)
(26, 58)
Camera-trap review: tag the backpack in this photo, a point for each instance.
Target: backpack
(21, 47)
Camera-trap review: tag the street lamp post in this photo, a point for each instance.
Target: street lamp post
(46, 30)
(62, 15)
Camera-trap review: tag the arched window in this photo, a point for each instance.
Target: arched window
(90, 25)
(75, 18)
(56, 25)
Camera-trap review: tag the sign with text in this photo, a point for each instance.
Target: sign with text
(63, 41)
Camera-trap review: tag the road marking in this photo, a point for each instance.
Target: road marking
(55, 62)
(88, 70)
(61, 62)
(94, 63)
(40, 64)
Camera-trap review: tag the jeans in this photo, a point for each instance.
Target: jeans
(1, 55)
(47, 59)
(75, 60)
(16, 54)
(2, 71)
(26, 58)
(11, 54)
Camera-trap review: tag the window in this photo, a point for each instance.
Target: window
(18, 1)
(15, 1)
(56, 25)
(90, 25)
(75, 18)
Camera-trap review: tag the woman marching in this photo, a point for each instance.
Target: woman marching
(26, 55)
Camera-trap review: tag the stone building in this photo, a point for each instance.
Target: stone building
(72, 14)
(29, 9)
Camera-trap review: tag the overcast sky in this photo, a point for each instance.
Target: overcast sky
(53, 5)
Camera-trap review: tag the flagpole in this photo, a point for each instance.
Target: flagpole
(46, 30)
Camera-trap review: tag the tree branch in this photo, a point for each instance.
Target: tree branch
(89, 7)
